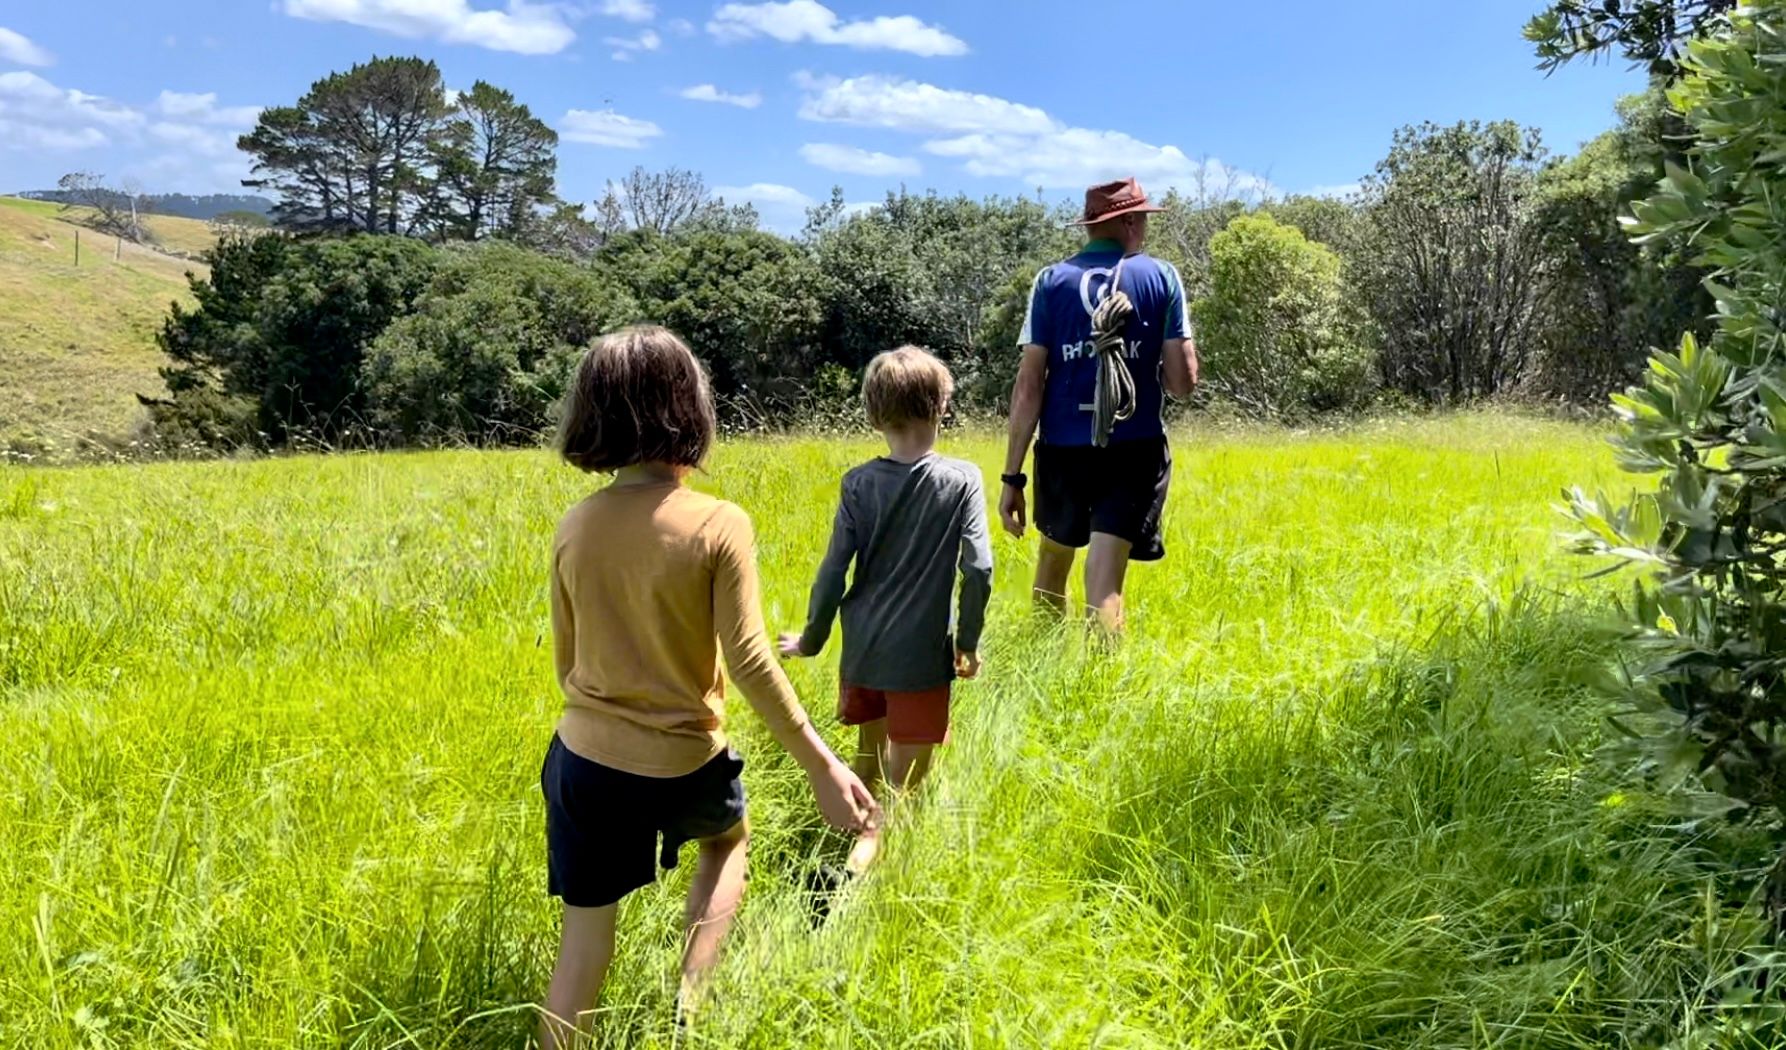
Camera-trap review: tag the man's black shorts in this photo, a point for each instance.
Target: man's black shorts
(602, 825)
(1119, 490)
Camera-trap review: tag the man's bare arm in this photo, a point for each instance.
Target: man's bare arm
(1182, 368)
(1026, 405)
(1026, 412)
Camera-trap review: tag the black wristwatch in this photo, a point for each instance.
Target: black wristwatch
(1016, 481)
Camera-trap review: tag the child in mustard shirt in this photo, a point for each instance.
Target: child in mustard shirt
(651, 583)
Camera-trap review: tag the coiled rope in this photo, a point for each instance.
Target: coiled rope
(1113, 401)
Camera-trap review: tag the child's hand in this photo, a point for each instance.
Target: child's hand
(789, 645)
(967, 663)
(846, 803)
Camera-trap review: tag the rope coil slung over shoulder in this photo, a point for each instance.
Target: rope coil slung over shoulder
(1113, 401)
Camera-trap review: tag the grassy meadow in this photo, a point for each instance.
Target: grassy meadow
(77, 343)
(273, 731)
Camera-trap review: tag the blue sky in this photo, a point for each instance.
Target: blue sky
(776, 102)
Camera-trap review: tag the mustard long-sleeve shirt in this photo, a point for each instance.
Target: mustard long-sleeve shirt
(650, 584)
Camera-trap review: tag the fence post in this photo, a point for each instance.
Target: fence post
(77, 248)
(119, 254)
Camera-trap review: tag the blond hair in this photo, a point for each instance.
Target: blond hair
(906, 385)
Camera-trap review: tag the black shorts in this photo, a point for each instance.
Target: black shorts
(602, 825)
(1119, 490)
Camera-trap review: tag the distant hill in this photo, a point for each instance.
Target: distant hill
(77, 343)
(180, 205)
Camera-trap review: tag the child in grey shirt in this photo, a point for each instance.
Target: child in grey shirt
(909, 521)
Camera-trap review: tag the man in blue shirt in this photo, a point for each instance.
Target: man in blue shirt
(1107, 497)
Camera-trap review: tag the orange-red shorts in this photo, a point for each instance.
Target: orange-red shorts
(912, 718)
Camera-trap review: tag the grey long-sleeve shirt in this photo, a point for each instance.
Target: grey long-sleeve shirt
(908, 527)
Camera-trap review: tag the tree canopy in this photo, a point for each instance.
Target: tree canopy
(384, 148)
(1650, 32)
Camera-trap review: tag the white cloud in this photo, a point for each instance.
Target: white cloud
(1075, 157)
(36, 114)
(907, 105)
(682, 27)
(781, 208)
(18, 49)
(626, 46)
(607, 128)
(199, 137)
(185, 172)
(995, 137)
(853, 161)
(206, 141)
(180, 141)
(203, 109)
(524, 27)
(629, 10)
(795, 21)
(709, 93)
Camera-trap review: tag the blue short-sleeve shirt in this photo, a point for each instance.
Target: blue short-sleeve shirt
(1061, 302)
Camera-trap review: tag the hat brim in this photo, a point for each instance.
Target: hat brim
(1133, 209)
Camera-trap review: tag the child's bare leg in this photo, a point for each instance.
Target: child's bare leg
(713, 899)
(585, 949)
(871, 752)
(907, 764)
(871, 759)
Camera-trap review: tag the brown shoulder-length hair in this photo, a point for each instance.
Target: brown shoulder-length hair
(637, 396)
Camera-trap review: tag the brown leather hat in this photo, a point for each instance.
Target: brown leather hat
(1107, 201)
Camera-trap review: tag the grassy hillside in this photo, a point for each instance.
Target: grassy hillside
(76, 342)
(274, 731)
(170, 234)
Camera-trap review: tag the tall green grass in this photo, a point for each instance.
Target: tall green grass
(270, 735)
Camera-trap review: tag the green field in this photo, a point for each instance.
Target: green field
(273, 732)
(77, 342)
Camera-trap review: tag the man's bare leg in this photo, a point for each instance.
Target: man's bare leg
(1054, 563)
(713, 899)
(1106, 565)
(586, 947)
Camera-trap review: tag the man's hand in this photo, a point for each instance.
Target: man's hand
(967, 664)
(846, 804)
(789, 645)
(1012, 511)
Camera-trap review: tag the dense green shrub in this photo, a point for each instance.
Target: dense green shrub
(1704, 683)
(486, 351)
(285, 324)
(1609, 301)
(1273, 331)
(929, 269)
(746, 301)
(1324, 220)
(1450, 266)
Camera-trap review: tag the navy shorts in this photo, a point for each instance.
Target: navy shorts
(603, 825)
(1119, 490)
